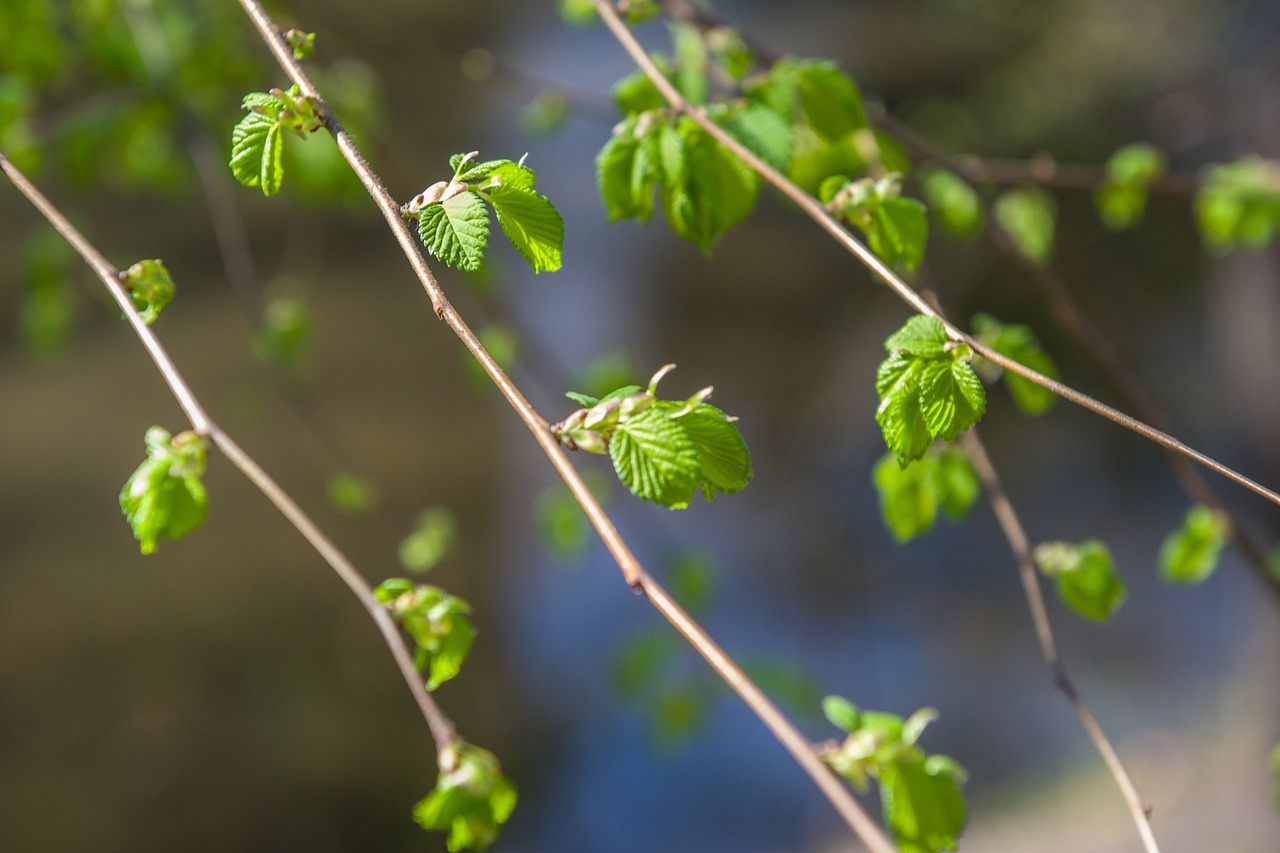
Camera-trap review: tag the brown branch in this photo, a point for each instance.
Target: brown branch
(815, 210)
(443, 731)
(632, 571)
(1021, 547)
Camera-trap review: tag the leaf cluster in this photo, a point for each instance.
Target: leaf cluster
(149, 286)
(927, 389)
(165, 496)
(910, 497)
(257, 142)
(919, 793)
(453, 220)
(663, 451)
(896, 228)
(1019, 343)
(471, 800)
(436, 621)
(1086, 577)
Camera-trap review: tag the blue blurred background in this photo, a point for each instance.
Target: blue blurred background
(227, 693)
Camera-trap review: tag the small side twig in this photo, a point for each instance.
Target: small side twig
(1021, 547)
(443, 731)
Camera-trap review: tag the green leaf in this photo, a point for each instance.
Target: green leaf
(690, 75)
(692, 580)
(351, 494)
(951, 396)
(531, 223)
(636, 93)
(900, 233)
(436, 620)
(149, 284)
(471, 800)
(841, 713)
(456, 230)
(722, 190)
(925, 810)
(1122, 199)
(957, 482)
(1087, 580)
(921, 335)
(655, 458)
(639, 667)
(722, 451)
(908, 497)
(830, 100)
(954, 202)
(614, 166)
(765, 132)
(1019, 343)
(1190, 554)
(164, 496)
(283, 335)
(899, 413)
(1029, 216)
(429, 542)
(1239, 204)
(302, 44)
(577, 12)
(256, 147)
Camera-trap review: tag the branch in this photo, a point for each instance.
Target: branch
(1020, 545)
(815, 210)
(443, 731)
(632, 571)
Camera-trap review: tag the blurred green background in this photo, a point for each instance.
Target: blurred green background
(228, 693)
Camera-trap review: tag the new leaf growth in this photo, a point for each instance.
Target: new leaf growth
(919, 793)
(453, 221)
(927, 389)
(471, 800)
(150, 286)
(662, 450)
(437, 622)
(257, 143)
(1086, 576)
(165, 496)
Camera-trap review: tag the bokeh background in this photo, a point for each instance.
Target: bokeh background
(226, 693)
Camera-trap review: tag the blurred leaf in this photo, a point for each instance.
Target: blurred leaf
(1018, 342)
(639, 666)
(954, 202)
(503, 346)
(151, 287)
(788, 684)
(471, 800)
(693, 581)
(678, 713)
(841, 713)
(351, 494)
(1190, 555)
(283, 336)
(429, 542)
(690, 75)
(908, 499)
(1239, 204)
(1087, 580)
(924, 809)
(1029, 216)
(436, 620)
(546, 113)
(1122, 200)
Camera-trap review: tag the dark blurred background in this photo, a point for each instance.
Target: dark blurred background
(227, 693)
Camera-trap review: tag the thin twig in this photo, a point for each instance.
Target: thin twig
(632, 571)
(817, 212)
(1021, 547)
(442, 729)
(1071, 318)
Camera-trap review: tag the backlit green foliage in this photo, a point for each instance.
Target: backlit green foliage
(471, 800)
(453, 221)
(896, 228)
(910, 497)
(257, 143)
(1019, 343)
(954, 202)
(429, 541)
(1122, 200)
(165, 496)
(927, 389)
(150, 286)
(1030, 216)
(436, 620)
(1086, 576)
(919, 793)
(1190, 554)
(1239, 204)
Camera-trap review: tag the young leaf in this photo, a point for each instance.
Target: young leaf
(951, 395)
(765, 132)
(722, 189)
(691, 62)
(256, 152)
(899, 413)
(429, 542)
(456, 231)
(921, 335)
(1087, 580)
(656, 459)
(531, 223)
(1190, 554)
(900, 233)
(957, 482)
(614, 166)
(436, 620)
(954, 202)
(1029, 216)
(1019, 343)
(164, 496)
(1239, 204)
(841, 713)
(1122, 199)
(908, 499)
(830, 100)
(722, 451)
(471, 800)
(923, 806)
(149, 284)
(351, 494)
